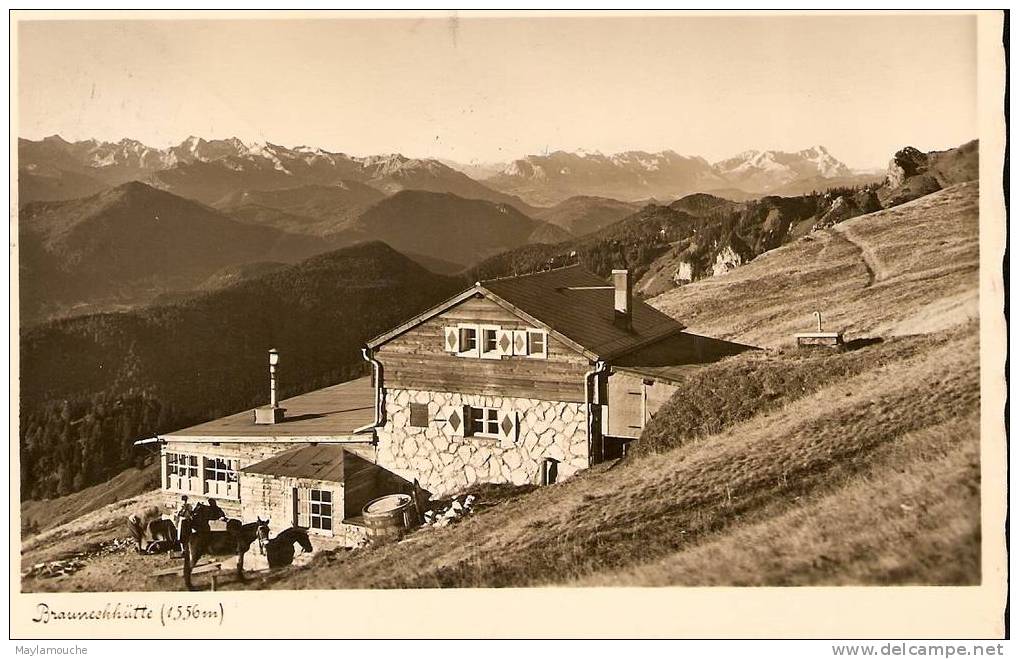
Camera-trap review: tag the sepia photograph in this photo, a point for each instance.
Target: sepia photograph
(628, 308)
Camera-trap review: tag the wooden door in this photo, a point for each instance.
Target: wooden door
(626, 406)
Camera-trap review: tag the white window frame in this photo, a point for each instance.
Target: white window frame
(182, 464)
(180, 469)
(494, 352)
(317, 516)
(543, 354)
(489, 415)
(230, 477)
(476, 350)
(305, 505)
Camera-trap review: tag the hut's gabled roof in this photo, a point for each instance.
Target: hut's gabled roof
(573, 304)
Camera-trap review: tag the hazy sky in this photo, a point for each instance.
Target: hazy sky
(492, 89)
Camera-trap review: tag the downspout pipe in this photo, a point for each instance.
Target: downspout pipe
(599, 367)
(366, 353)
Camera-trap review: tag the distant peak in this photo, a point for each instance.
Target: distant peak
(134, 187)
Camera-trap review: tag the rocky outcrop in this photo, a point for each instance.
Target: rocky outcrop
(844, 207)
(913, 174)
(684, 273)
(732, 255)
(905, 164)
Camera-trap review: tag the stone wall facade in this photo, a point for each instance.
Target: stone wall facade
(445, 462)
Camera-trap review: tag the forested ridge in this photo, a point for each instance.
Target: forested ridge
(696, 228)
(92, 385)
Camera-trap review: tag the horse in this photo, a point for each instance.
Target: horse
(152, 534)
(198, 539)
(164, 536)
(279, 551)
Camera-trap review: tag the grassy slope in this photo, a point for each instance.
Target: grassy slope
(46, 514)
(902, 271)
(866, 472)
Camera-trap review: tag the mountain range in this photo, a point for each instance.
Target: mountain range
(128, 243)
(131, 244)
(638, 175)
(214, 171)
(108, 226)
(702, 235)
(211, 171)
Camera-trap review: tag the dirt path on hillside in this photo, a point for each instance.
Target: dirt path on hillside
(868, 255)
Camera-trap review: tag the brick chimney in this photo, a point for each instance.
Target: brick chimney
(623, 299)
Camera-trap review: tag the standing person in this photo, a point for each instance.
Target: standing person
(134, 525)
(183, 520)
(215, 512)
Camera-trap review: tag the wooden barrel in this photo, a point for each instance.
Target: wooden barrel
(388, 518)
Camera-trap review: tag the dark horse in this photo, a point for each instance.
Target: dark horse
(198, 539)
(280, 550)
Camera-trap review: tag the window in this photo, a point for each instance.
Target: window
(321, 513)
(313, 509)
(484, 421)
(536, 344)
(494, 342)
(469, 341)
(419, 415)
(180, 469)
(221, 477)
(179, 464)
(489, 342)
(219, 469)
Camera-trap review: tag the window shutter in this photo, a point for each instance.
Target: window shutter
(457, 418)
(462, 347)
(537, 344)
(504, 343)
(519, 342)
(419, 415)
(508, 424)
(451, 342)
(485, 331)
(302, 507)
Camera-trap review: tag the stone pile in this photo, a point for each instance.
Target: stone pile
(450, 514)
(65, 567)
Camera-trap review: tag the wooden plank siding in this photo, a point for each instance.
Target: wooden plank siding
(416, 360)
(364, 481)
(244, 454)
